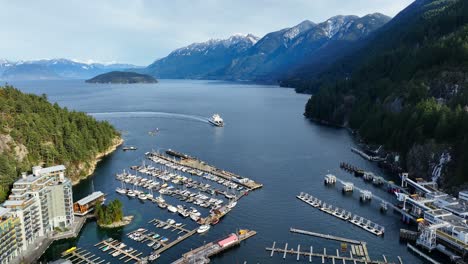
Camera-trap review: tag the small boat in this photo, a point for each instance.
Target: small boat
(106, 248)
(178, 224)
(156, 236)
(153, 257)
(172, 209)
(164, 239)
(129, 148)
(203, 229)
(121, 190)
(167, 227)
(158, 245)
(194, 217)
(130, 193)
(150, 244)
(171, 221)
(142, 196)
(162, 205)
(232, 204)
(115, 254)
(122, 245)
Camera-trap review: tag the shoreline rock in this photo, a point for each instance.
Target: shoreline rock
(117, 141)
(126, 220)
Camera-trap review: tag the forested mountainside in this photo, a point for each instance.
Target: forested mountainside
(267, 59)
(34, 131)
(122, 78)
(407, 88)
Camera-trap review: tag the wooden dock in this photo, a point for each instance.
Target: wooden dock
(342, 214)
(175, 242)
(114, 247)
(310, 254)
(180, 229)
(81, 256)
(329, 237)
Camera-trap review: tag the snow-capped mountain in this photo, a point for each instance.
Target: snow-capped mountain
(198, 59)
(278, 52)
(245, 57)
(55, 69)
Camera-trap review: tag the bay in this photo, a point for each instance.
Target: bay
(265, 138)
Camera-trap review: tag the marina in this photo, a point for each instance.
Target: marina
(342, 214)
(201, 166)
(283, 172)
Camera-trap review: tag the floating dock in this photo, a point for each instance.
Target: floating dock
(324, 236)
(342, 214)
(308, 253)
(78, 255)
(115, 247)
(202, 254)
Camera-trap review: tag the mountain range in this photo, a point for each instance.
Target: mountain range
(55, 69)
(266, 59)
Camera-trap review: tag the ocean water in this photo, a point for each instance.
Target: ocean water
(265, 138)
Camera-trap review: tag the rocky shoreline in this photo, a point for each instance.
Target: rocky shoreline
(116, 142)
(126, 220)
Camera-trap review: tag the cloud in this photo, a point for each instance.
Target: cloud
(140, 31)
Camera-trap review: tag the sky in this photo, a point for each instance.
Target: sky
(141, 31)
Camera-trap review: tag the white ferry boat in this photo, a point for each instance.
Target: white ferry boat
(216, 120)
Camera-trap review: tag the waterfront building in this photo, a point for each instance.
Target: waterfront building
(87, 204)
(10, 236)
(42, 201)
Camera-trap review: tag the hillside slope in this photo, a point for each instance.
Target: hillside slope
(407, 88)
(33, 131)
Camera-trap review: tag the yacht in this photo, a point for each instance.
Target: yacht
(203, 229)
(142, 196)
(172, 209)
(121, 190)
(216, 120)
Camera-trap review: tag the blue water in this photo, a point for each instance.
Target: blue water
(265, 138)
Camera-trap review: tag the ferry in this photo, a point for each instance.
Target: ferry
(216, 120)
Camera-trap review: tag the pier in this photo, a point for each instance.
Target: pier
(382, 201)
(310, 254)
(364, 155)
(202, 254)
(81, 256)
(116, 249)
(342, 214)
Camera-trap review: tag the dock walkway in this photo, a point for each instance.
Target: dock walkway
(356, 220)
(329, 237)
(114, 246)
(310, 254)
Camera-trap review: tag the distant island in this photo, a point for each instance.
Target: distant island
(122, 77)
